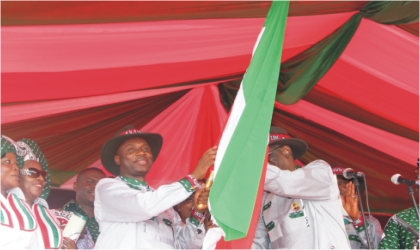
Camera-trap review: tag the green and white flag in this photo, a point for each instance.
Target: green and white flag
(242, 148)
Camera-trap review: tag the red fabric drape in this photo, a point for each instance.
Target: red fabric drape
(189, 127)
(21, 112)
(101, 56)
(65, 12)
(72, 141)
(383, 141)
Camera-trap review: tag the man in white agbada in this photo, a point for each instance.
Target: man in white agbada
(301, 206)
(131, 214)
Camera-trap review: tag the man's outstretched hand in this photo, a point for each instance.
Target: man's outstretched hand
(204, 163)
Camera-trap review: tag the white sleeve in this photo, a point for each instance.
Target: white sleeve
(187, 235)
(314, 181)
(115, 201)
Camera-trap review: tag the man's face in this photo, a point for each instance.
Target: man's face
(32, 186)
(85, 186)
(134, 157)
(185, 208)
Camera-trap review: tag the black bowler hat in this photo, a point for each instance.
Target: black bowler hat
(111, 146)
(279, 136)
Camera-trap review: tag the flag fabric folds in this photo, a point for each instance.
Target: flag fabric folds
(242, 148)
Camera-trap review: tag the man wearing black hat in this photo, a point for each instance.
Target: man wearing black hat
(353, 219)
(131, 214)
(301, 206)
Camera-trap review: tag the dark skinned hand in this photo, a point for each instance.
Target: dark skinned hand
(207, 221)
(68, 244)
(201, 197)
(204, 163)
(350, 202)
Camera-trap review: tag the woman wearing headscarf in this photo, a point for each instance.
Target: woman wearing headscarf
(18, 224)
(35, 184)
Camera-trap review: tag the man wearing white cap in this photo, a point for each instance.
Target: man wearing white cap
(301, 206)
(131, 214)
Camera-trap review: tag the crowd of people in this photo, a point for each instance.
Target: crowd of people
(309, 207)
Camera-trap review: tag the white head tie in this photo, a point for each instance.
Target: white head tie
(27, 152)
(19, 151)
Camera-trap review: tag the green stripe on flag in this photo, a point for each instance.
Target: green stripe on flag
(235, 187)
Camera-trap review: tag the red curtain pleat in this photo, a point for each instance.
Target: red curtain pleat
(72, 141)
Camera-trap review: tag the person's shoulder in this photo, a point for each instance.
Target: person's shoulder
(372, 218)
(318, 163)
(406, 212)
(42, 202)
(69, 205)
(109, 181)
(16, 191)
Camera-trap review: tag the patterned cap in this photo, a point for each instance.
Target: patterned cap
(337, 170)
(31, 151)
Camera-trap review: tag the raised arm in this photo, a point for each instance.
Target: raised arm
(115, 201)
(189, 235)
(118, 202)
(314, 181)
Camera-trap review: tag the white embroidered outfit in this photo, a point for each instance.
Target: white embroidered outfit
(132, 215)
(302, 209)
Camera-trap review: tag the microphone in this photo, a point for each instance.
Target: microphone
(397, 179)
(349, 173)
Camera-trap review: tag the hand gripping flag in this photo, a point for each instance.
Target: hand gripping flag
(242, 148)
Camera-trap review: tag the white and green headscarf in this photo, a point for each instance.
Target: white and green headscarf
(9, 145)
(29, 150)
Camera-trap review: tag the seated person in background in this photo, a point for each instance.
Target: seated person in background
(184, 210)
(84, 205)
(353, 220)
(185, 207)
(301, 206)
(35, 185)
(131, 214)
(397, 236)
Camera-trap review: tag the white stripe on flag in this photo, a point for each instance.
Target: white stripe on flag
(258, 40)
(235, 115)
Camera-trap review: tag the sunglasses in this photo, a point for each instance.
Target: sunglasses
(33, 172)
